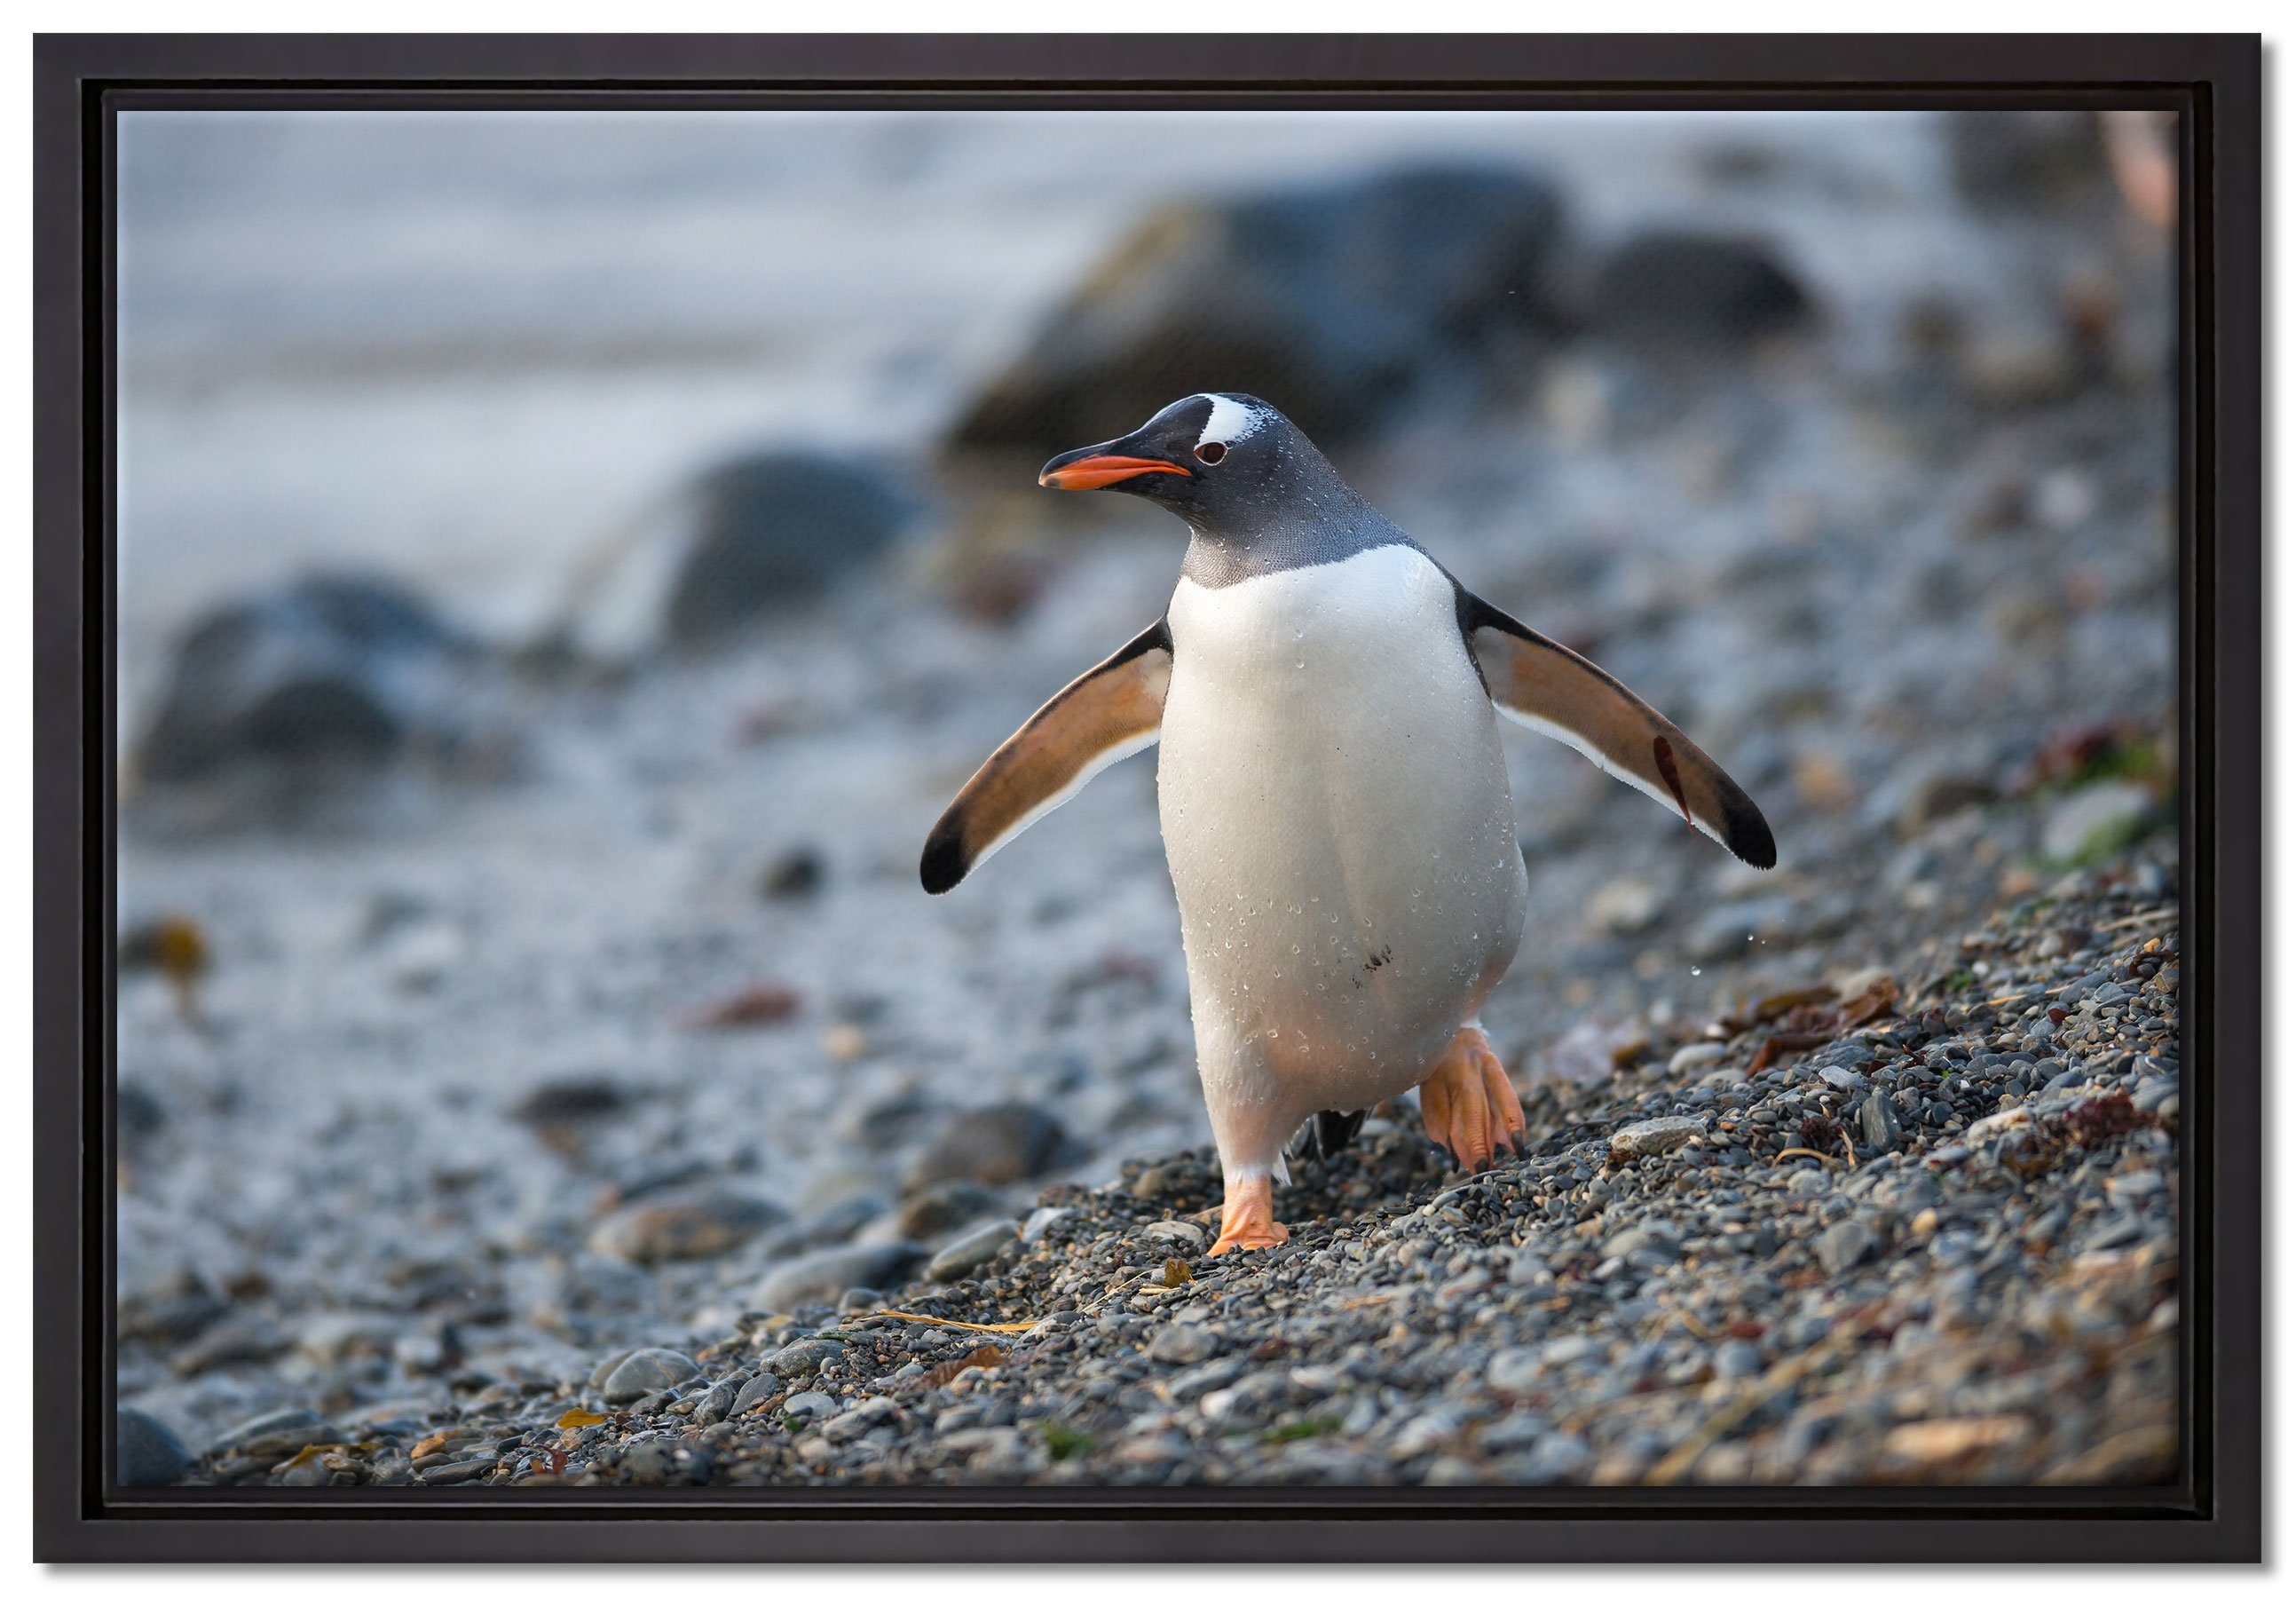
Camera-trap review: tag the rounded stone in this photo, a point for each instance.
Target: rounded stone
(145, 1453)
(647, 1372)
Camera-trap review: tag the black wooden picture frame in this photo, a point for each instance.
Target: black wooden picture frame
(2214, 1512)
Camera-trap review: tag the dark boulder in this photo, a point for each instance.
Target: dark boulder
(890, 1122)
(698, 1225)
(937, 1210)
(770, 528)
(573, 1099)
(145, 1454)
(333, 672)
(999, 1144)
(1673, 290)
(138, 1112)
(794, 874)
(171, 1312)
(750, 538)
(823, 1276)
(1330, 300)
(836, 1222)
(977, 1247)
(2019, 160)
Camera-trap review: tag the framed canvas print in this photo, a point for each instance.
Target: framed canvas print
(1673, 959)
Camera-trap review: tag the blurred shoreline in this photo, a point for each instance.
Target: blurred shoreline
(461, 346)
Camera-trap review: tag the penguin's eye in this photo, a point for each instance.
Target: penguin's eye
(1211, 454)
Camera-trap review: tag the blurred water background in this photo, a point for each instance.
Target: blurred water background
(522, 959)
(457, 345)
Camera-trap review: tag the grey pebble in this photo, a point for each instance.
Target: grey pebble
(1520, 1371)
(2151, 1094)
(822, 1276)
(465, 1470)
(1184, 1232)
(650, 1464)
(1557, 1456)
(302, 1470)
(1845, 1244)
(1658, 1136)
(1878, 1125)
(717, 1403)
(810, 1404)
(975, 1248)
(756, 1391)
(276, 1423)
(1694, 1056)
(1040, 1222)
(1183, 1345)
(145, 1454)
(804, 1356)
(647, 1372)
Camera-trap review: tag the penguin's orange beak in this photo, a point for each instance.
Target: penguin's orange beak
(1087, 470)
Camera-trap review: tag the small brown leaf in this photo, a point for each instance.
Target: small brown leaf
(760, 1004)
(1821, 1132)
(1176, 1274)
(987, 1357)
(573, 1420)
(1933, 1441)
(1777, 1004)
(2030, 1153)
(1784, 1042)
(434, 1444)
(2101, 1117)
(1875, 1002)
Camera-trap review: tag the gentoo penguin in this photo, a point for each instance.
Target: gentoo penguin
(1334, 806)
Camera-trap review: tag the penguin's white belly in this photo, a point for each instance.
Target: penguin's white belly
(1340, 835)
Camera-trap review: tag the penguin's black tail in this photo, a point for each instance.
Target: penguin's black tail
(1323, 1134)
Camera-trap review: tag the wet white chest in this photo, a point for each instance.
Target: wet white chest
(1337, 820)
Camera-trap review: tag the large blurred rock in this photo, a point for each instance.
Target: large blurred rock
(1679, 289)
(945, 1206)
(2017, 159)
(750, 537)
(1330, 300)
(997, 1144)
(823, 1276)
(773, 528)
(2095, 822)
(335, 670)
(698, 1225)
(145, 1453)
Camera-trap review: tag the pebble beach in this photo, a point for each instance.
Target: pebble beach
(1941, 1248)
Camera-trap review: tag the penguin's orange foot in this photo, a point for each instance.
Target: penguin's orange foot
(1248, 1215)
(1469, 1105)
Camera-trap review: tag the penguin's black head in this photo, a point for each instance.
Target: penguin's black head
(1205, 458)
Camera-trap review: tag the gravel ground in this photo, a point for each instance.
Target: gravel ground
(1919, 1226)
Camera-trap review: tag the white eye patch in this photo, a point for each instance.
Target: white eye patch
(1229, 421)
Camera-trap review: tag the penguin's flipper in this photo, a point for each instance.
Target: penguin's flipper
(1538, 682)
(1114, 710)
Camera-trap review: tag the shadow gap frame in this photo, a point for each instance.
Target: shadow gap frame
(81, 83)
